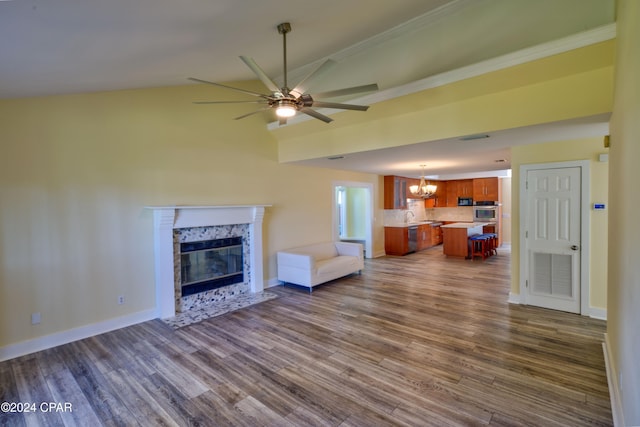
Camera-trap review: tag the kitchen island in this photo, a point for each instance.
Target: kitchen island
(456, 237)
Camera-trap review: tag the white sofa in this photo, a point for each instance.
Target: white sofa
(314, 264)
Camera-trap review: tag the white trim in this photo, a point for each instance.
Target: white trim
(379, 254)
(555, 47)
(598, 313)
(369, 220)
(612, 381)
(513, 298)
(273, 282)
(168, 218)
(75, 334)
(585, 238)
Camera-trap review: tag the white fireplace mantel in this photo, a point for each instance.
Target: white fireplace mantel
(168, 218)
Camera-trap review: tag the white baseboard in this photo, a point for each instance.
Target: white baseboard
(614, 387)
(379, 254)
(273, 282)
(514, 298)
(598, 313)
(75, 334)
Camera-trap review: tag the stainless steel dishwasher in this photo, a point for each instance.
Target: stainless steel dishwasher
(413, 238)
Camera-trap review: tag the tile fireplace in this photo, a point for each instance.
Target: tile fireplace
(204, 254)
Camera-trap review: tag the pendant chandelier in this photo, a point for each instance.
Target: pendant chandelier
(423, 189)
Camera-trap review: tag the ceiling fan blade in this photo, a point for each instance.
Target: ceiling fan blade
(230, 87)
(230, 102)
(306, 81)
(316, 115)
(251, 113)
(261, 75)
(346, 91)
(322, 104)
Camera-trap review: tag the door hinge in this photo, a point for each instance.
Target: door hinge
(526, 185)
(526, 234)
(526, 283)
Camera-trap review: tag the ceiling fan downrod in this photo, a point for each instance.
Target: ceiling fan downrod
(283, 29)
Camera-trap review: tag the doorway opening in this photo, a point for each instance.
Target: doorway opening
(353, 214)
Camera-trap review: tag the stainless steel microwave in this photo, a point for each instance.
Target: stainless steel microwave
(465, 201)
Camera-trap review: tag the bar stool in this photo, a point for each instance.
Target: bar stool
(479, 243)
(492, 246)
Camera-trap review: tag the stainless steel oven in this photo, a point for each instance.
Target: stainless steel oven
(485, 213)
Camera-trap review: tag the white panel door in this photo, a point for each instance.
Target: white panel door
(553, 238)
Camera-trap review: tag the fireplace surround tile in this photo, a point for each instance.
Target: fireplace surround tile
(198, 220)
(197, 234)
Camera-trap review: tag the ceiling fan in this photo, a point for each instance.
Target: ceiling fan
(288, 102)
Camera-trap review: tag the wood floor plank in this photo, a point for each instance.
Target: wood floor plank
(420, 340)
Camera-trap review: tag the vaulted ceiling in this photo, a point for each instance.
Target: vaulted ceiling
(64, 46)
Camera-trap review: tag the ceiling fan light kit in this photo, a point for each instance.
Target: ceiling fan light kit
(285, 108)
(288, 102)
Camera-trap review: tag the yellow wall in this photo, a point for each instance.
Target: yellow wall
(356, 212)
(624, 229)
(75, 175)
(505, 187)
(560, 151)
(573, 84)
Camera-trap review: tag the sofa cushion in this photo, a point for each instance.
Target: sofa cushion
(320, 251)
(335, 264)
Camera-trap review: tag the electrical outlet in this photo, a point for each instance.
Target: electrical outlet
(120, 299)
(36, 318)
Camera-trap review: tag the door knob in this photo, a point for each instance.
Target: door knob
(574, 247)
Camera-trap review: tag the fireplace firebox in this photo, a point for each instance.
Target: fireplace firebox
(210, 264)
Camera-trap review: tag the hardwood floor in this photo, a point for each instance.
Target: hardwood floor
(419, 340)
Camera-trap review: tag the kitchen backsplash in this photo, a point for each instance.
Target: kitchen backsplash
(461, 213)
(420, 213)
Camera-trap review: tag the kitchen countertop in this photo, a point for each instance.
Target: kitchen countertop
(466, 224)
(413, 224)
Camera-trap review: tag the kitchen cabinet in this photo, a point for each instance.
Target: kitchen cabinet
(439, 199)
(396, 240)
(456, 238)
(458, 188)
(485, 189)
(436, 235)
(424, 236)
(395, 192)
(491, 228)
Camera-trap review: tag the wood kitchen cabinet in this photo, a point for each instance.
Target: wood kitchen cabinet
(439, 200)
(395, 192)
(396, 240)
(424, 237)
(489, 228)
(458, 188)
(485, 190)
(436, 235)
